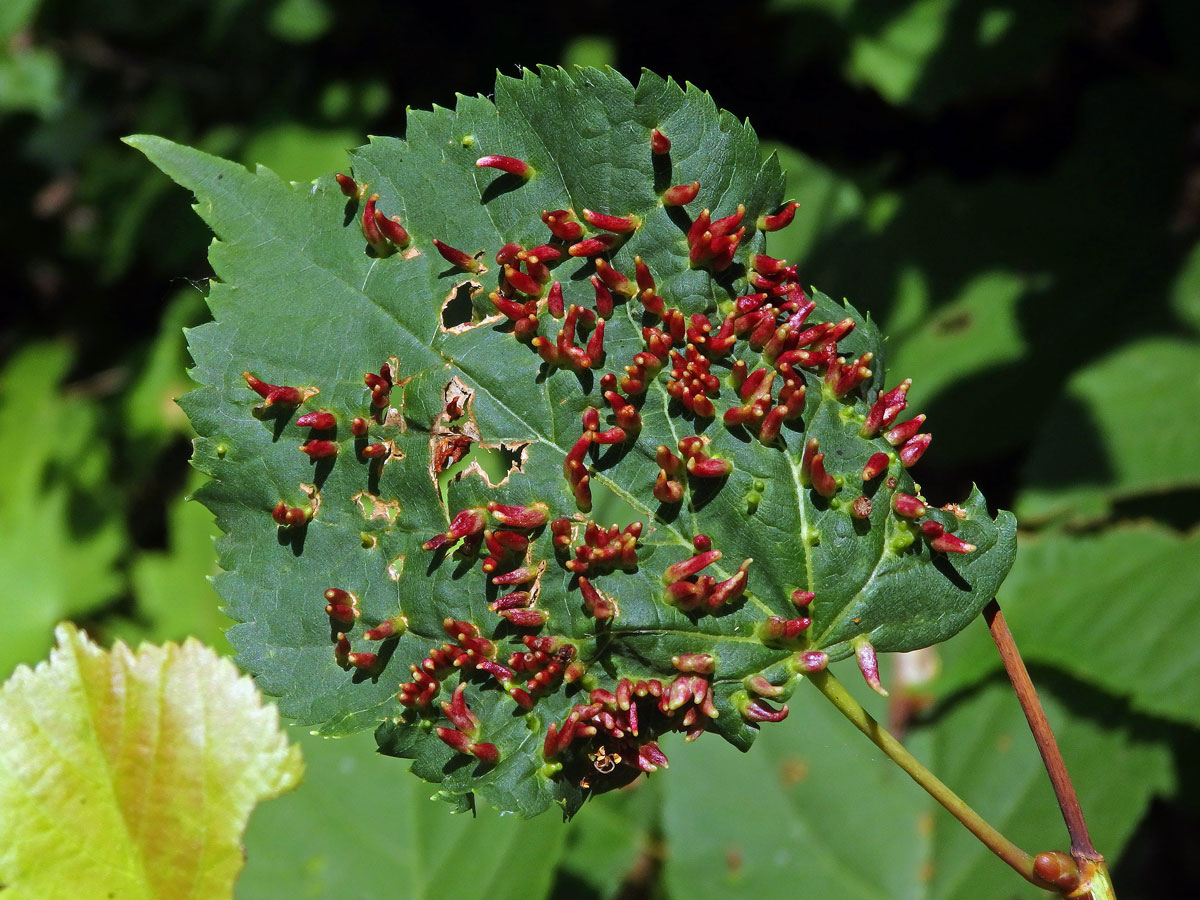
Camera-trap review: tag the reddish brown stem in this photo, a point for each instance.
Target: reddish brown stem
(1064, 790)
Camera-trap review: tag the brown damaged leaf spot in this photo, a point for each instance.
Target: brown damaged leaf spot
(396, 568)
(376, 507)
(458, 313)
(449, 444)
(448, 451)
(535, 589)
(458, 399)
(394, 452)
(394, 415)
(314, 497)
(411, 252)
(955, 510)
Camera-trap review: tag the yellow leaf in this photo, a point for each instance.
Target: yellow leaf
(132, 775)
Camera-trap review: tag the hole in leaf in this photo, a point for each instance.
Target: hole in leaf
(609, 508)
(493, 464)
(458, 310)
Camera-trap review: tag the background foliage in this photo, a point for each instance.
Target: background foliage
(1011, 189)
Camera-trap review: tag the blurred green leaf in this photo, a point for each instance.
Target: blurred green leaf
(299, 21)
(150, 412)
(132, 775)
(821, 813)
(359, 821)
(893, 59)
(173, 597)
(15, 15)
(61, 531)
(614, 844)
(30, 81)
(974, 332)
(1185, 295)
(1125, 427)
(30, 76)
(927, 53)
(828, 200)
(590, 51)
(1117, 609)
(297, 152)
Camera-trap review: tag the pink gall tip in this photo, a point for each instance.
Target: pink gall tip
(592, 246)
(914, 448)
(391, 229)
(812, 661)
(509, 164)
(904, 431)
(687, 567)
(876, 466)
(908, 506)
(320, 421)
(525, 617)
(319, 449)
(274, 393)
(362, 661)
(802, 599)
(562, 224)
(823, 483)
(759, 711)
(781, 219)
(681, 194)
(393, 627)
(615, 224)
(457, 257)
(948, 543)
(709, 467)
(868, 664)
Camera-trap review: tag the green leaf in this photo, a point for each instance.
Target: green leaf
(30, 76)
(1185, 295)
(975, 332)
(299, 153)
(303, 302)
(150, 414)
(132, 774)
(1093, 451)
(928, 53)
(60, 527)
(299, 21)
(616, 843)
(1116, 608)
(832, 818)
(332, 837)
(829, 203)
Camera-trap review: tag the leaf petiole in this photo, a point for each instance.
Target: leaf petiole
(1022, 862)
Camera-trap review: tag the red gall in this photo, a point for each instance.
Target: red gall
(681, 194)
(456, 257)
(781, 219)
(509, 164)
